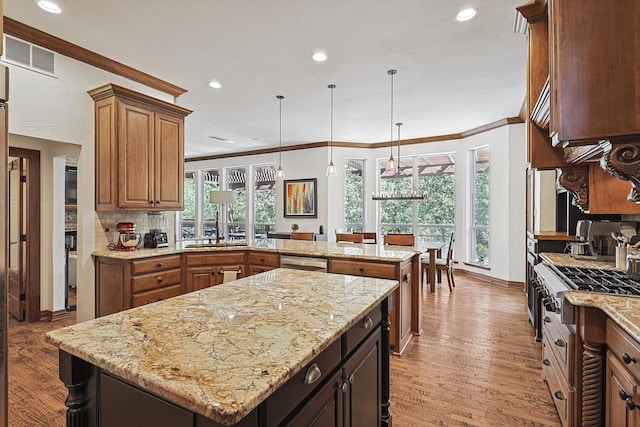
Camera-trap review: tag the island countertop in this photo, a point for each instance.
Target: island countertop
(292, 247)
(221, 351)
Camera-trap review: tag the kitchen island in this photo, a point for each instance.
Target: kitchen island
(269, 349)
(129, 279)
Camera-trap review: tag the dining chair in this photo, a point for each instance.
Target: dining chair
(368, 236)
(400, 239)
(349, 237)
(442, 264)
(302, 235)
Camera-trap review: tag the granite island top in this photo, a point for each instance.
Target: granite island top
(290, 247)
(569, 260)
(221, 351)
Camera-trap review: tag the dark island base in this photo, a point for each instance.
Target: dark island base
(354, 393)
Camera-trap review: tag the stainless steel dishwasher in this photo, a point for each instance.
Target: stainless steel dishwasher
(303, 263)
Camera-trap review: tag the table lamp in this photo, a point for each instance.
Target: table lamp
(221, 197)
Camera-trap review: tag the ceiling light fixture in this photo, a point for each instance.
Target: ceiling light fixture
(215, 85)
(280, 171)
(331, 169)
(391, 163)
(48, 6)
(466, 14)
(319, 56)
(397, 192)
(230, 142)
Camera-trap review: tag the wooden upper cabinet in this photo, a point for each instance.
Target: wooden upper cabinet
(139, 151)
(594, 70)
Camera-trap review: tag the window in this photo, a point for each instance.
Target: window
(210, 182)
(187, 222)
(436, 213)
(480, 235)
(264, 200)
(354, 194)
(236, 214)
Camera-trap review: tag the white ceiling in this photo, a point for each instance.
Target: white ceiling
(452, 76)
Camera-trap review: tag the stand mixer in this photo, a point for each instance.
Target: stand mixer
(128, 239)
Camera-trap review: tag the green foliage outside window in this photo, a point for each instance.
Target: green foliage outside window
(354, 195)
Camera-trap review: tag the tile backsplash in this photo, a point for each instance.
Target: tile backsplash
(107, 232)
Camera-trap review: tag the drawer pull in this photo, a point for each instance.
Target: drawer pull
(344, 387)
(558, 394)
(313, 374)
(159, 299)
(406, 278)
(546, 319)
(546, 362)
(261, 259)
(559, 342)
(628, 359)
(159, 279)
(351, 379)
(361, 269)
(627, 399)
(159, 264)
(368, 322)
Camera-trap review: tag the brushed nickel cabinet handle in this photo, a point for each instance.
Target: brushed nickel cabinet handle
(558, 394)
(368, 322)
(313, 374)
(559, 343)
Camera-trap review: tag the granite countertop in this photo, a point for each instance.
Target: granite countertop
(221, 351)
(291, 247)
(624, 310)
(570, 261)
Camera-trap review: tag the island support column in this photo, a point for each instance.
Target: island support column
(385, 395)
(77, 375)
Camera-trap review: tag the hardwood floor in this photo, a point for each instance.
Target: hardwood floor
(476, 364)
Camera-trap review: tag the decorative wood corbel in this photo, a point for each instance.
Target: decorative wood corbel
(575, 179)
(622, 160)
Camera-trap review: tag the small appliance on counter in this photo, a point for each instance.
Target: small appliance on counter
(599, 238)
(128, 239)
(156, 238)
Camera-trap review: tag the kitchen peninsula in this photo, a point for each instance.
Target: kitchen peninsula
(129, 279)
(278, 347)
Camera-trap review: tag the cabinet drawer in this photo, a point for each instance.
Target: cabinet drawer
(295, 391)
(256, 269)
(155, 281)
(154, 264)
(362, 328)
(624, 347)
(155, 295)
(367, 269)
(562, 394)
(215, 259)
(264, 258)
(560, 340)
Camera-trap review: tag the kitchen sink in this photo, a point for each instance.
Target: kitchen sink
(214, 245)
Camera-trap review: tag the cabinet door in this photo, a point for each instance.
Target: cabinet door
(324, 409)
(619, 382)
(362, 375)
(169, 161)
(135, 157)
(201, 277)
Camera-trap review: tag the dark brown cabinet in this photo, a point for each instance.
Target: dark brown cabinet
(139, 151)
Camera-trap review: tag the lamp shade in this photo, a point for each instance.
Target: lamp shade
(222, 197)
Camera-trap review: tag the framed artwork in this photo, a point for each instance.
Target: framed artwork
(301, 198)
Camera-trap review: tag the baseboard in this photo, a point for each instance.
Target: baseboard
(52, 316)
(491, 280)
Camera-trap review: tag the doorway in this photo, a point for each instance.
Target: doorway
(24, 234)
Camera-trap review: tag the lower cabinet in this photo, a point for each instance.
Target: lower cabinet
(622, 395)
(203, 270)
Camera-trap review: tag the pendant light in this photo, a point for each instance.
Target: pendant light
(280, 171)
(391, 163)
(331, 169)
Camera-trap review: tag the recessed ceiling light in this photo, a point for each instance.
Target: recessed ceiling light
(215, 85)
(49, 6)
(231, 142)
(319, 56)
(466, 14)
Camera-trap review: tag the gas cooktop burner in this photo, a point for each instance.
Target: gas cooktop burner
(598, 280)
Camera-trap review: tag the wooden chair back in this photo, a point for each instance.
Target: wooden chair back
(348, 237)
(302, 235)
(368, 236)
(400, 239)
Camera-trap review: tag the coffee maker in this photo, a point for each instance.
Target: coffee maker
(602, 246)
(156, 238)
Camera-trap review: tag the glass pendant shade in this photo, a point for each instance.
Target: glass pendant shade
(280, 173)
(331, 169)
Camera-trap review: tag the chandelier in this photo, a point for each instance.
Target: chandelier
(397, 192)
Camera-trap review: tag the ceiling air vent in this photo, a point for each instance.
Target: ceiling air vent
(29, 56)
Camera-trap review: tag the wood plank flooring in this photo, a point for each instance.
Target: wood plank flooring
(476, 364)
